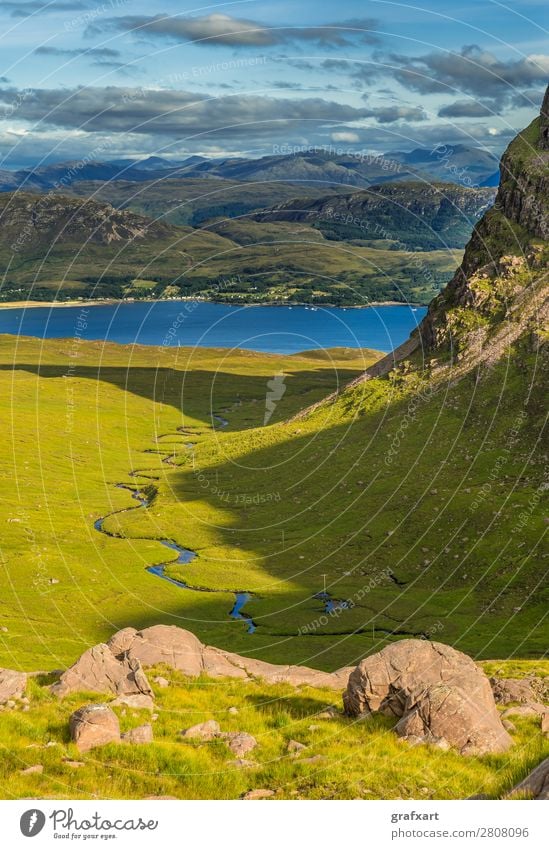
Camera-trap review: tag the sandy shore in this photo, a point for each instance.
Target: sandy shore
(11, 305)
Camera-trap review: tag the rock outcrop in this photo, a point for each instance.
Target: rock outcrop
(535, 785)
(12, 685)
(439, 694)
(117, 666)
(98, 670)
(94, 725)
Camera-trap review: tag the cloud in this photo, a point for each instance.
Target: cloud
(351, 138)
(219, 29)
(24, 8)
(94, 53)
(465, 109)
(174, 113)
(390, 114)
(472, 71)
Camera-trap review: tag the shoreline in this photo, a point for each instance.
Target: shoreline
(11, 305)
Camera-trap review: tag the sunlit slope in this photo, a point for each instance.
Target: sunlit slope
(76, 419)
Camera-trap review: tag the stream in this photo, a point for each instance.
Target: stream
(184, 555)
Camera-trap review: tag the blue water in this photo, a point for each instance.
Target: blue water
(284, 330)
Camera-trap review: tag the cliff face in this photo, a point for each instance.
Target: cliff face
(507, 257)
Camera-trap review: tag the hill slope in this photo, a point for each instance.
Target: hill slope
(418, 215)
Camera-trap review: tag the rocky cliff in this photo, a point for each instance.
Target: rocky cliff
(502, 279)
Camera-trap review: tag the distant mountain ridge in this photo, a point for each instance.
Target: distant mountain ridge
(449, 163)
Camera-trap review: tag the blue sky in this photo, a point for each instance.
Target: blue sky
(110, 78)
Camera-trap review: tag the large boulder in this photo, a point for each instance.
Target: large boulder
(99, 671)
(438, 693)
(94, 725)
(535, 785)
(12, 685)
(177, 648)
(446, 713)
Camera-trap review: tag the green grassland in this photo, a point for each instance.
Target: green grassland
(77, 417)
(383, 494)
(351, 760)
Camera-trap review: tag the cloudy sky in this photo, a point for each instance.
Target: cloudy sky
(110, 78)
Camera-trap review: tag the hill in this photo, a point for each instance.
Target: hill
(418, 215)
(55, 247)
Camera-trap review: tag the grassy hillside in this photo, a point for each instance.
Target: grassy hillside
(77, 418)
(191, 201)
(56, 248)
(419, 215)
(350, 759)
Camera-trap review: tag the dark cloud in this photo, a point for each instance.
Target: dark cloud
(220, 29)
(530, 99)
(174, 113)
(24, 8)
(472, 71)
(466, 109)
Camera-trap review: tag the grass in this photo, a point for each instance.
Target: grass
(358, 760)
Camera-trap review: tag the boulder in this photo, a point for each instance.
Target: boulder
(240, 743)
(167, 644)
(138, 736)
(203, 731)
(120, 642)
(545, 724)
(12, 685)
(535, 785)
(446, 713)
(94, 725)
(37, 769)
(161, 682)
(438, 693)
(99, 671)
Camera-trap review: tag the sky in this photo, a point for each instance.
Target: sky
(104, 79)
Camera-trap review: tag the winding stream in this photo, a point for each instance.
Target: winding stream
(184, 555)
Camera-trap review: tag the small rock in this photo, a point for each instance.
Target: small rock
(240, 743)
(258, 794)
(203, 731)
(242, 763)
(314, 727)
(159, 798)
(161, 682)
(138, 736)
(545, 723)
(73, 764)
(31, 770)
(329, 713)
(294, 746)
(135, 700)
(532, 709)
(314, 759)
(233, 711)
(94, 725)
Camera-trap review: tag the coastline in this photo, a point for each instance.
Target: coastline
(11, 305)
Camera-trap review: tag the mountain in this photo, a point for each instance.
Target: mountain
(499, 294)
(415, 215)
(458, 163)
(193, 201)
